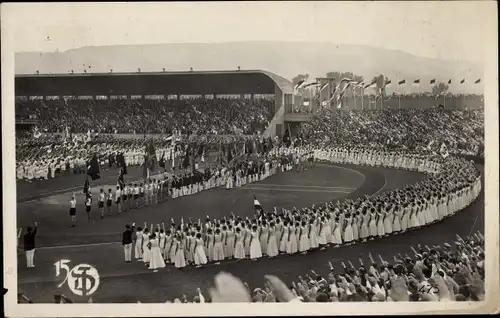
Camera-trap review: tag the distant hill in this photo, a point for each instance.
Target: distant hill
(284, 58)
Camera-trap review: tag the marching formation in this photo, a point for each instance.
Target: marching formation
(451, 186)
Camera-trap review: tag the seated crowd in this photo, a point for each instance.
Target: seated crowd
(187, 116)
(461, 131)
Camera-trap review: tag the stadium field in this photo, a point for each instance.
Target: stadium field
(99, 244)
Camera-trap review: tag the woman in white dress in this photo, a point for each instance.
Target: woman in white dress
(247, 237)
(355, 227)
(322, 233)
(218, 249)
(199, 252)
(239, 248)
(396, 224)
(284, 238)
(380, 223)
(173, 246)
(388, 220)
(156, 259)
(179, 258)
(188, 245)
(292, 244)
(405, 218)
(304, 238)
(229, 241)
(337, 233)
(272, 242)
(413, 216)
(146, 256)
(313, 234)
(210, 245)
(363, 231)
(161, 239)
(168, 245)
(348, 235)
(374, 223)
(138, 244)
(255, 250)
(264, 237)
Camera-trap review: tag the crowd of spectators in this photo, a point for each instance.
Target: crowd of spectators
(203, 116)
(417, 129)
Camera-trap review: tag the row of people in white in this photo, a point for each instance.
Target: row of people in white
(299, 231)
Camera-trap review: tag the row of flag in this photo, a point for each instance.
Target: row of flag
(416, 82)
(432, 82)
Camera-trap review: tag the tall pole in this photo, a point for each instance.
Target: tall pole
(354, 94)
(362, 97)
(399, 101)
(444, 100)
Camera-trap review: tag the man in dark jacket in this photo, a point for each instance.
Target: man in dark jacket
(127, 242)
(29, 245)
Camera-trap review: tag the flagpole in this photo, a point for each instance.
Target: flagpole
(362, 98)
(399, 101)
(444, 100)
(354, 94)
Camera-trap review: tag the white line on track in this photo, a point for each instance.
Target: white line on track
(294, 190)
(298, 186)
(74, 246)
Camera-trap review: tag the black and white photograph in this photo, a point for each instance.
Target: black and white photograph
(222, 155)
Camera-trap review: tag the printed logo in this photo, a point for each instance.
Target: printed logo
(82, 280)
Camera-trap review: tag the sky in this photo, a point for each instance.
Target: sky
(450, 30)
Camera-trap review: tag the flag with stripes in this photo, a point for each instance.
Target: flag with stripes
(402, 82)
(257, 206)
(388, 83)
(416, 82)
(462, 81)
(477, 81)
(433, 81)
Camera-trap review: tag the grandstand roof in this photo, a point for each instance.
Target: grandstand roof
(152, 83)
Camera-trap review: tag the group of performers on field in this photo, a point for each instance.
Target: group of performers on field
(452, 184)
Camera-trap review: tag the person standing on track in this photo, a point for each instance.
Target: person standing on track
(100, 204)
(88, 207)
(29, 245)
(118, 198)
(72, 210)
(127, 242)
(109, 201)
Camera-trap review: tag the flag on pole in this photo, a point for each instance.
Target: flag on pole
(462, 81)
(402, 82)
(416, 82)
(93, 169)
(257, 206)
(121, 180)
(477, 81)
(299, 84)
(311, 84)
(86, 186)
(433, 81)
(388, 83)
(449, 82)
